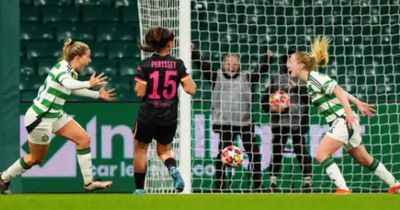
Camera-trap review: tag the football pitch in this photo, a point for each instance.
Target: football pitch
(199, 201)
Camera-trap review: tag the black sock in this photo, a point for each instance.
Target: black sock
(169, 163)
(139, 180)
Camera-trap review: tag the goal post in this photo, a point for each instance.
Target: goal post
(185, 103)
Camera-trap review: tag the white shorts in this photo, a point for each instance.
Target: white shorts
(351, 138)
(43, 132)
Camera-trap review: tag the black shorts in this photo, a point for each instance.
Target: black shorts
(146, 132)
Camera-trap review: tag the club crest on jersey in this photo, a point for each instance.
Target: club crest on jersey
(45, 138)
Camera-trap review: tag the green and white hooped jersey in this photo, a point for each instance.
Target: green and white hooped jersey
(321, 89)
(52, 95)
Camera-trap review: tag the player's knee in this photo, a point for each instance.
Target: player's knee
(84, 141)
(161, 151)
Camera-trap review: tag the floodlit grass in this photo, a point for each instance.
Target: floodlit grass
(199, 201)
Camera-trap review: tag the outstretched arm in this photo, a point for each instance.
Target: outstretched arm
(73, 84)
(365, 109)
(256, 75)
(205, 67)
(107, 95)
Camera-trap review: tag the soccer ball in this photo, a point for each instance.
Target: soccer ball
(279, 100)
(232, 156)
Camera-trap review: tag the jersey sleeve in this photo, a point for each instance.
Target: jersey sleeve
(182, 72)
(322, 83)
(140, 75)
(62, 76)
(59, 73)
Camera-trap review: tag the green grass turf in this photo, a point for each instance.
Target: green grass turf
(199, 201)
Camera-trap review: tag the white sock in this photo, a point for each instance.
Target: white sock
(85, 163)
(307, 180)
(17, 168)
(273, 180)
(336, 176)
(385, 175)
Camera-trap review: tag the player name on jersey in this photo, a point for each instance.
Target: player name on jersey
(163, 64)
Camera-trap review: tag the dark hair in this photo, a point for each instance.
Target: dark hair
(157, 39)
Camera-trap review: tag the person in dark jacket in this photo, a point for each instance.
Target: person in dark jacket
(292, 121)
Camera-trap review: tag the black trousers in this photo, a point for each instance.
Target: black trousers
(227, 135)
(280, 137)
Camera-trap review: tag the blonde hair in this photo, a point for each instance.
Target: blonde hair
(318, 56)
(72, 49)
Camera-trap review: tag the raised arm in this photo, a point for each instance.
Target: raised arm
(264, 68)
(205, 67)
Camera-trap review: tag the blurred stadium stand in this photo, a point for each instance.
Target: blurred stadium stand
(363, 38)
(109, 27)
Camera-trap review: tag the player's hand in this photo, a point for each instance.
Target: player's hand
(270, 54)
(352, 120)
(107, 95)
(366, 109)
(275, 109)
(97, 80)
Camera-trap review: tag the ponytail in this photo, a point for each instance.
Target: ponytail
(319, 50)
(318, 56)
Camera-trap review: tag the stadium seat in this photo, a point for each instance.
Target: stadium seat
(60, 14)
(97, 50)
(123, 50)
(29, 14)
(27, 96)
(108, 67)
(99, 14)
(127, 67)
(124, 88)
(36, 32)
(51, 2)
(125, 3)
(43, 49)
(44, 65)
(31, 82)
(115, 32)
(94, 2)
(81, 32)
(27, 67)
(130, 14)
(25, 2)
